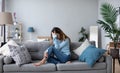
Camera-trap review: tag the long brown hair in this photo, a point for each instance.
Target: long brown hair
(63, 36)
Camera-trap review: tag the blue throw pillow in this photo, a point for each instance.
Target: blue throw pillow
(91, 54)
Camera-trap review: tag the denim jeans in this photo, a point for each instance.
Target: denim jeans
(56, 56)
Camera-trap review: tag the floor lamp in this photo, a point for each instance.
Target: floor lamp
(5, 19)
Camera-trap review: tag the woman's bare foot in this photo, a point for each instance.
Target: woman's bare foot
(68, 62)
(39, 63)
(43, 61)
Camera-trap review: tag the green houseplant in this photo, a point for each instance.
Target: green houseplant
(109, 15)
(84, 34)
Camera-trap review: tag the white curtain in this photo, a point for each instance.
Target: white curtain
(1, 27)
(0, 11)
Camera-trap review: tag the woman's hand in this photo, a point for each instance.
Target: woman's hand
(54, 35)
(63, 37)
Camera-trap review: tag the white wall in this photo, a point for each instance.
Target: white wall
(116, 3)
(43, 15)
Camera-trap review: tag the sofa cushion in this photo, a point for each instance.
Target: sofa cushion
(36, 49)
(76, 65)
(20, 54)
(29, 68)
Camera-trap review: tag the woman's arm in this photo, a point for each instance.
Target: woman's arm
(59, 44)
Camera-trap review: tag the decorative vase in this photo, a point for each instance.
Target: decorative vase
(114, 53)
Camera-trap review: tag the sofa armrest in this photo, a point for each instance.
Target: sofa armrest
(1, 63)
(109, 64)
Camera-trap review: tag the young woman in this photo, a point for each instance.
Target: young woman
(59, 51)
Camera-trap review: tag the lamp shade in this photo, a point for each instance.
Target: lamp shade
(6, 18)
(30, 29)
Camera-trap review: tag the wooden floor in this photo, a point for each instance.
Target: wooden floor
(117, 67)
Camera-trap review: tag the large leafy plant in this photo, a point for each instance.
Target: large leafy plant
(109, 15)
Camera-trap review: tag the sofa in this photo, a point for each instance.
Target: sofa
(36, 50)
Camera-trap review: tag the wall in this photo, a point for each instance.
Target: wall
(43, 15)
(105, 40)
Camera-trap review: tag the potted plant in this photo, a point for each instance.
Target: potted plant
(109, 15)
(84, 34)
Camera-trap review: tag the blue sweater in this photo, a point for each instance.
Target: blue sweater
(63, 46)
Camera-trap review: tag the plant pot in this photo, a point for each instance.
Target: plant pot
(114, 53)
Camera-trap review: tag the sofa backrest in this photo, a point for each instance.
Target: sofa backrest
(36, 49)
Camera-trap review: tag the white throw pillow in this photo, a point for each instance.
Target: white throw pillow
(82, 47)
(4, 50)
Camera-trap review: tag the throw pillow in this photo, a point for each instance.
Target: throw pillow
(19, 54)
(91, 54)
(80, 49)
(4, 50)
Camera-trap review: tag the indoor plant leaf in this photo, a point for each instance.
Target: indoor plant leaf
(109, 15)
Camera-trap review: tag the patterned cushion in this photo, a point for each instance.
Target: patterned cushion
(19, 54)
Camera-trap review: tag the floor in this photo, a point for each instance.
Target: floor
(117, 67)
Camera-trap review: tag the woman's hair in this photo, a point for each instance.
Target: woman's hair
(57, 30)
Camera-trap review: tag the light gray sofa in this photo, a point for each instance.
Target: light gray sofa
(36, 50)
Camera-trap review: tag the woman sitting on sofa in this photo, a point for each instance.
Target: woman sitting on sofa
(59, 51)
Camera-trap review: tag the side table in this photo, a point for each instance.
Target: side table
(115, 55)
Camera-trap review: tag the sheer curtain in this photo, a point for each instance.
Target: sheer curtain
(1, 26)
(2, 9)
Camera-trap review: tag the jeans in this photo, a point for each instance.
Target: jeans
(56, 56)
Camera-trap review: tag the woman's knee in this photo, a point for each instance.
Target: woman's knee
(65, 59)
(50, 48)
(53, 60)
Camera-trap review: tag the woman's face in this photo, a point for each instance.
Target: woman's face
(57, 34)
